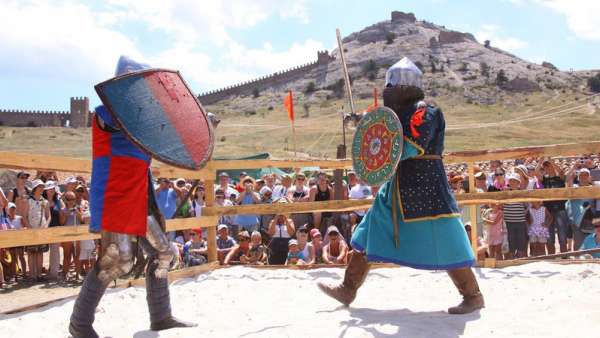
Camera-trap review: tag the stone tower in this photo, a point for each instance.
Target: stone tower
(80, 108)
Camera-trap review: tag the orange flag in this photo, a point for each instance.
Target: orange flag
(288, 103)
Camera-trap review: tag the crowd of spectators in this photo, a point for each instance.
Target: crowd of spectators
(506, 230)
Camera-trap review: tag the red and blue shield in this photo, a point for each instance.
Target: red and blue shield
(157, 111)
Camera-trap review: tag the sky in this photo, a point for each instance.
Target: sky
(54, 49)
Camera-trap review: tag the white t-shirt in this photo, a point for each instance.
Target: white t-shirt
(360, 192)
(15, 224)
(197, 208)
(279, 191)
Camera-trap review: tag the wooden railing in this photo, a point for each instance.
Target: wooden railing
(211, 213)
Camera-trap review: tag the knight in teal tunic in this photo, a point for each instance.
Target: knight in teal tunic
(414, 220)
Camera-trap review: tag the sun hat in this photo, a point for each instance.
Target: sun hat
(292, 242)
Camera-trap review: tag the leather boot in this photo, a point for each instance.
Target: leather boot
(355, 275)
(159, 303)
(465, 282)
(85, 306)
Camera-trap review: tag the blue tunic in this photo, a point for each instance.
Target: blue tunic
(430, 231)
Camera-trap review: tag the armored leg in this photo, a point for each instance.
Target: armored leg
(157, 284)
(114, 261)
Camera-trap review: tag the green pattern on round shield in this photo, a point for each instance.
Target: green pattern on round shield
(377, 146)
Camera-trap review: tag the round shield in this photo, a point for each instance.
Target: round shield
(377, 146)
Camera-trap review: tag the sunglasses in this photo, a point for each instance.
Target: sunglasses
(300, 178)
(193, 234)
(304, 231)
(70, 199)
(499, 174)
(333, 234)
(219, 196)
(244, 239)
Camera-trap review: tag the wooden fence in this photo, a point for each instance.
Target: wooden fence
(211, 213)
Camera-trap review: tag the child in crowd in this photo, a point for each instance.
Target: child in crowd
(295, 256)
(195, 250)
(539, 221)
(493, 219)
(258, 251)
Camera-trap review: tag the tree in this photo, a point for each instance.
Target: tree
(485, 69)
(487, 44)
(255, 93)
(310, 87)
(370, 70)
(306, 108)
(594, 83)
(433, 67)
(501, 78)
(389, 37)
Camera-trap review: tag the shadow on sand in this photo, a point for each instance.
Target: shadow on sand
(406, 323)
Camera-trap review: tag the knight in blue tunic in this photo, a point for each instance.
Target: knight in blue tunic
(414, 220)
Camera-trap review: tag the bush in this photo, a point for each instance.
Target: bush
(501, 78)
(270, 108)
(310, 87)
(470, 77)
(370, 70)
(250, 112)
(337, 88)
(594, 83)
(255, 93)
(223, 138)
(485, 69)
(463, 67)
(390, 37)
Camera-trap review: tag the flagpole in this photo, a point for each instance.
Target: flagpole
(294, 136)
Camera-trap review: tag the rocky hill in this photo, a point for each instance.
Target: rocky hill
(455, 64)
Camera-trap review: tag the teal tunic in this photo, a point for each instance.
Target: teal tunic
(430, 232)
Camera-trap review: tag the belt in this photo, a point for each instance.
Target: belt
(426, 157)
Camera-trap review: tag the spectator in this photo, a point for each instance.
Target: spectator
(166, 198)
(281, 190)
(15, 222)
(84, 249)
(294, 256)
(493, 219)
(539, 221)
(238, 187)
(280, 229)
(480, 182)
(303, 244)
(184, 200)
(352, 181)
(71, 214)
(55, 205)
(494, 165)
(359, 191)
(266, 197)
(258, 251)
(20, 194)
(269, 180)
(224, 242)
(481, 247)
(184, 237)
(239, 253)
(456, 183)
(316, 247)
(37, 216)
(198, 201)
(579, 212)
(221, 201)
(224, 185)
(321, 192)
(336, 250)
(195, 249)
(498, 183)
(592, 241)
(553, 177)
(516, 223)
(3, 200)
(527, 183)
(248, 196)
(299, 192)
(258, 184)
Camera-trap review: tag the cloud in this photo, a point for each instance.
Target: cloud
(581, 15)
(61, 41)
(493, 33)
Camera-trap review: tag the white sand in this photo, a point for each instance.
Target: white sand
(534, 300)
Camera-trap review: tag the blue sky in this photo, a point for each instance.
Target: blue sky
(51, 50)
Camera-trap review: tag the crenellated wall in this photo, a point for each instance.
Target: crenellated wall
(264, 82)
(78, 116)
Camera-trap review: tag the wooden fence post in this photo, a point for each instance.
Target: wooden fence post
(211, 238)
(473, 208)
